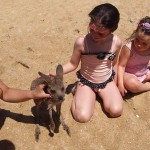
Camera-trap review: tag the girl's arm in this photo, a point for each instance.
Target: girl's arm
(123, 59)
(76, 55)
(115, 61)
(13, 95)
(75, 58)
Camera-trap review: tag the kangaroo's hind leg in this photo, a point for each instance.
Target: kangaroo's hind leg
(52, 124)
(65, 127)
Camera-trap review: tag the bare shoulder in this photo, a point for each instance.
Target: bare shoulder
(118, 42)
(79, 44)
(127, 46)
(125, 50)
(80, 40)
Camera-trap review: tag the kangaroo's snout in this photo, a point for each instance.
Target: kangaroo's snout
(60, 97)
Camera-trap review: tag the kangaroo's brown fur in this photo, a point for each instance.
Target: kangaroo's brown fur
(55, 87)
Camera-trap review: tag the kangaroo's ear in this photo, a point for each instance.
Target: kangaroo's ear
(59, 72)
(45, 77)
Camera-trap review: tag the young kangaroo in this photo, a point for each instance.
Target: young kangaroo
(55, 87)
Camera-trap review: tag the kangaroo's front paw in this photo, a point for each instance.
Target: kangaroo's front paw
(52, 126)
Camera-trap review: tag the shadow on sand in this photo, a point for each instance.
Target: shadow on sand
(6, 145)
(43, 118)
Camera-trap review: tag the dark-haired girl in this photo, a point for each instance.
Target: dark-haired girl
(98, 52)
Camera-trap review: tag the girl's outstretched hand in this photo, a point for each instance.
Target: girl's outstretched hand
(39, 93)
(122, 90)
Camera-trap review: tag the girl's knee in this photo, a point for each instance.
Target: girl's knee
(132, 86)
(81, 116)
(116, 111)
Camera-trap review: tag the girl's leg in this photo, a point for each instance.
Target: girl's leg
(134, 85)
(83, 103)
(112, 99)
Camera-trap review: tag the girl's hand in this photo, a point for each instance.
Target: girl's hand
(39, 93)
(122, 90)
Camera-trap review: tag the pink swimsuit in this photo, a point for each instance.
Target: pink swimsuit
(94, 70)
(137, 64)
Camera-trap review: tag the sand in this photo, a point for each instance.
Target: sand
(36, 35)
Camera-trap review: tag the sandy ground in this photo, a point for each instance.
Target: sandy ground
(40, 34)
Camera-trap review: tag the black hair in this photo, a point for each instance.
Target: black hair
(141, 28)
(107, 14)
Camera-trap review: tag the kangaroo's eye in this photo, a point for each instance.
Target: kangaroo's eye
(53, 91)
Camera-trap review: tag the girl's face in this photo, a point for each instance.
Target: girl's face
(141, 41)
(98, 32)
